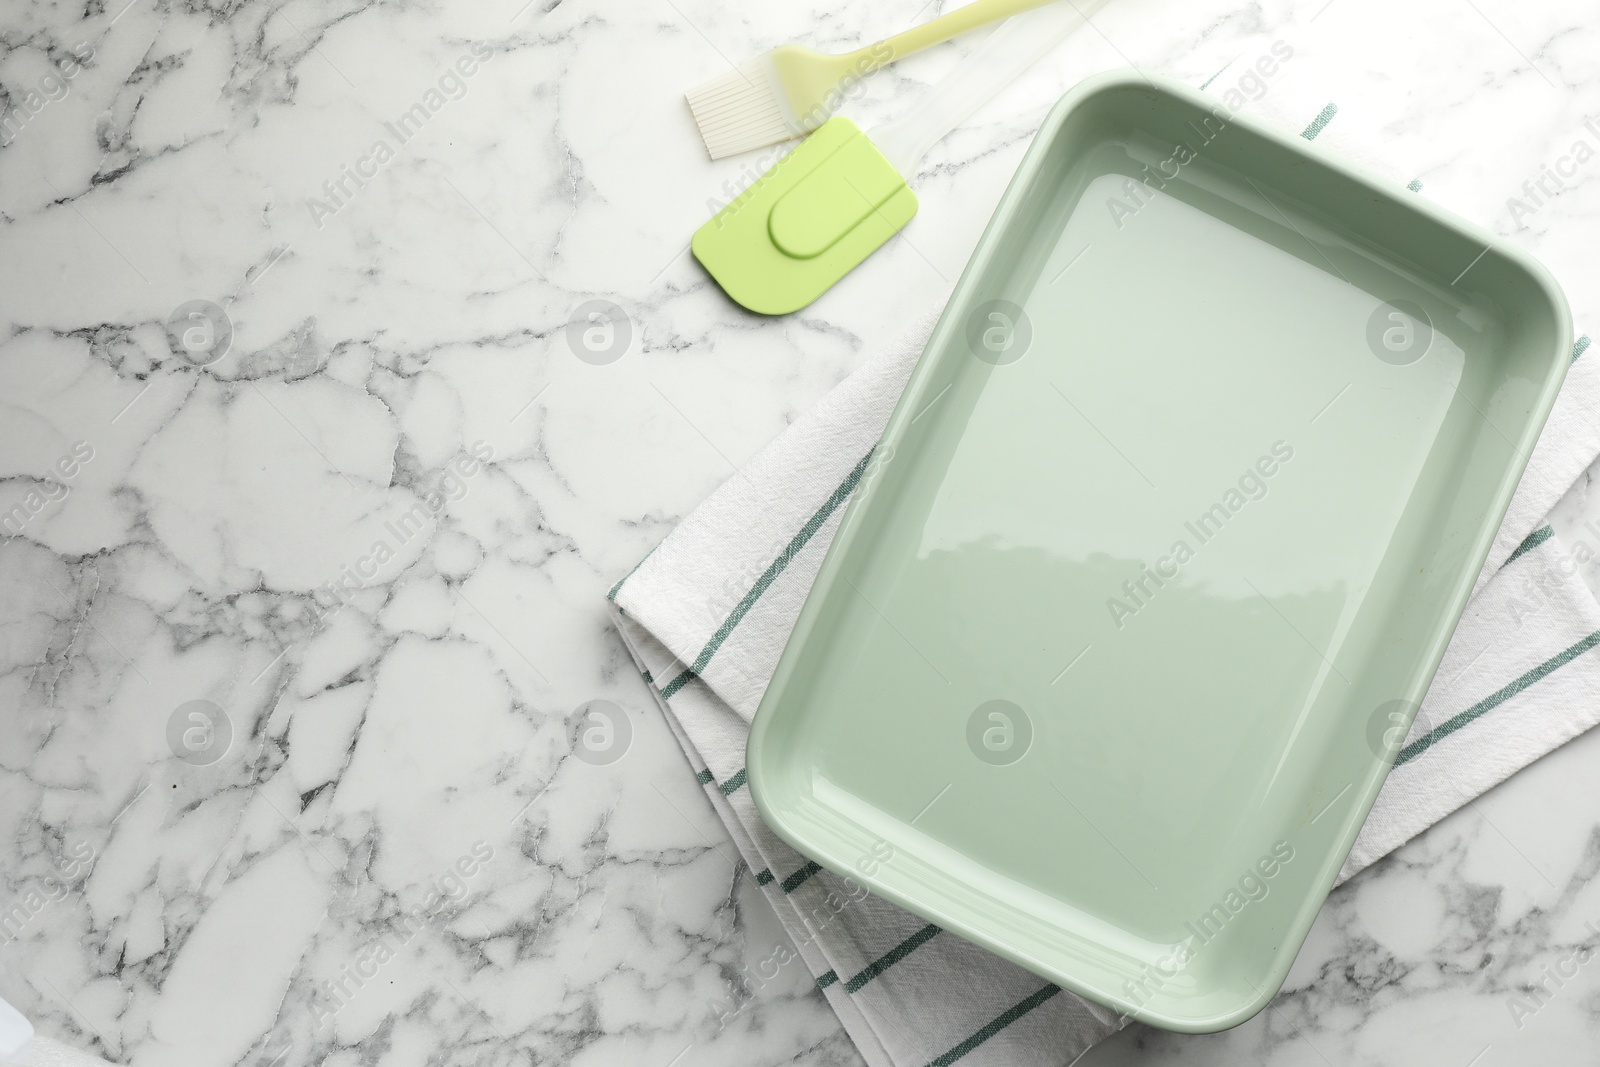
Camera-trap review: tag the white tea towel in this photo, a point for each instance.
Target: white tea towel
(707, 613)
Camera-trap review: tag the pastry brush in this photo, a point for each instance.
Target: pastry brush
(792, 90)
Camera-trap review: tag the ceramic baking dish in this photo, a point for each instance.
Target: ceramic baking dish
(1165, 538)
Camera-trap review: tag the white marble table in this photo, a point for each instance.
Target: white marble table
(290, 655)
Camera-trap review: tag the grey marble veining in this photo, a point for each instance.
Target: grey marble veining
(305, 590)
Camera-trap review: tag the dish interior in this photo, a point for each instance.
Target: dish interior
(1110, 645)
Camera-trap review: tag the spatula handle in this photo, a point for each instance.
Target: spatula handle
(937, 31)
(1002, 57)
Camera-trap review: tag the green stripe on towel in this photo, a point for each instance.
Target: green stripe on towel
(790, 550)
(892, 957)
(676, 684)
(1206, 84)
(770, 575)
(1580, 348)
(882, 963)
(1531, 542)
(1320, 123)
(1451, 725)
(705, 777)
(731, 786)
(798, 878)
(1001, 1021)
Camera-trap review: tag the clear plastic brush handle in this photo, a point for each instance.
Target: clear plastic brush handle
(1014, 46)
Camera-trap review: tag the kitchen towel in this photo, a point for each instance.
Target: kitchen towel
(707, 613)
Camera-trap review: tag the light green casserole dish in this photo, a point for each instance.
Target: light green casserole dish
(1159, 552)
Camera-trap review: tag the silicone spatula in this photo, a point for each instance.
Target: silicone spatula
(836, 198)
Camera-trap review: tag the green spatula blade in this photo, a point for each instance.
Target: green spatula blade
(807, 222)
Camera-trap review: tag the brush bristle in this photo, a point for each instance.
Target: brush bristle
(740, 111)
